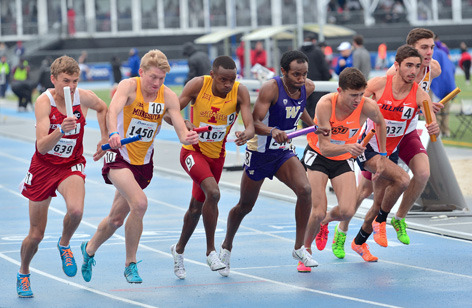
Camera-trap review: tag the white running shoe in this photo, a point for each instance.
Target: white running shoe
(303, 255)
(179, 269)
(225, 256)
(214, 262)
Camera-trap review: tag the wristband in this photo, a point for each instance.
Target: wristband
(60, 128)
(383, 153)
(270, 132)
(109, 136)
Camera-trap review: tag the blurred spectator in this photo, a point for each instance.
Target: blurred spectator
(45, 82)
(259, 55)
(345, 59)
(199, 63)
(116, 69)
(21, 86)
(240, 54)
(4, 75)
(71, 21)
(381, 61)
(361, 57)
(464, 62)
(318, 69)
(19, 52)
(134, 62)
(328, 52)
(84, 69)
(440, 45)
(442, 86)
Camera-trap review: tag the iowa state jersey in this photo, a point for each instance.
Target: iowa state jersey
(141, 118)
(398, 114)
(217, 112)
(344, 131)
(69, 149)
(284, 114)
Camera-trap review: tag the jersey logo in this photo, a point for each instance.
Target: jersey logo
(206, 96)
(214, 112)
(291, 112)
(77, 114)
(339, 130)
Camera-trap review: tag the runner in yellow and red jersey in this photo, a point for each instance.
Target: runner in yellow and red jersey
(216, 101)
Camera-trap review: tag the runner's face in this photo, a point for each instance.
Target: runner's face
(426, 48)
(65, 80)
(152, 79)
(223, 81)
(352, 98)
(296, 76)
(409, 69)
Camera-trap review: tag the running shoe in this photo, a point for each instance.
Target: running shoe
(322, 237)
(338, 243)
(380, 233)
(68, 262)
(214, 262)
(363, 251)
(89, 261)
(304, 256)
(131, 273)
(23, 286)
(301, 268)
(179, 269)
(400, 226)
(224, 256)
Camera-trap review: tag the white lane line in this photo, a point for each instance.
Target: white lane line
(34, 270)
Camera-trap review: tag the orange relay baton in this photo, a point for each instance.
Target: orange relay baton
(429, 119)
(367, 138)
(450, 96)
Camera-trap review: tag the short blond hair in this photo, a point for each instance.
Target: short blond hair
(64, 64)
(155, 58)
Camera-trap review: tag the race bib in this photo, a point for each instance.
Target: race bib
(78, 167)
(395, 128)
(110, 157)
(140, 127)
(339, 142)
(156, 108)
(74, 131)
(28, 178)
(247, 158)
(217, 133)
(309, 157)
(189, 162)
(63, 148)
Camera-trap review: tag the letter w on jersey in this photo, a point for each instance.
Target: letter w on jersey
(291, 112)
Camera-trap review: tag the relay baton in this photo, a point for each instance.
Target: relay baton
(123, 142)
(367, 138)
(202, 129)
(68, 102)
(303, 131)
(429, 119)
(450, 96)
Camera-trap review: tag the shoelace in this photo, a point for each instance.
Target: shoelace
(340, 239)
(180, 262)
(67, 255)
(402, 227)
(381, 231)
(132, 269)
(91, 262)
(24, 283)
(324, 232)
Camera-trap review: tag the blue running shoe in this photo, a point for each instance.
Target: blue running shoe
(68, 261)
(23, 286)
(131, 273)
(89, 261)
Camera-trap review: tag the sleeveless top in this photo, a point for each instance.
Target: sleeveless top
(284, 115)
(141, 118)
(345, 131)
(217, 112)
(424, 84)
(398, 114)
(69, 149)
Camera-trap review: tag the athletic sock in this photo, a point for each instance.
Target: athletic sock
(361, 237)
(382, 216)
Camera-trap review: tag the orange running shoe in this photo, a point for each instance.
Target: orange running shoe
(380, 233)
(363, 251)
(302, 268)
(322, 237)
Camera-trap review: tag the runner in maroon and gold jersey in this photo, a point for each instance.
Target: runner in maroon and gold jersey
(137, 107)
(216, 101)
(58, 164)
